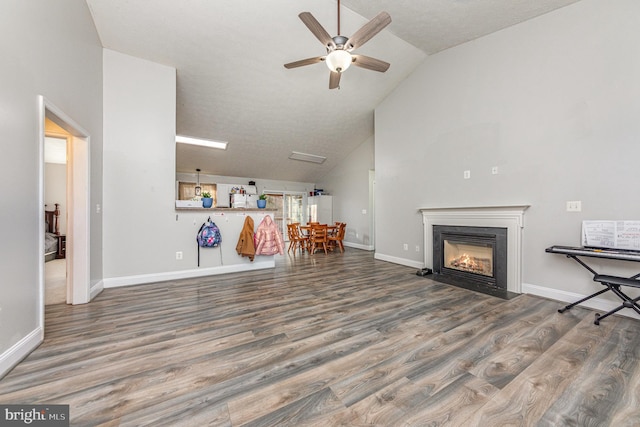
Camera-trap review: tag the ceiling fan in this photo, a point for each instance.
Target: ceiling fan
(339, 56)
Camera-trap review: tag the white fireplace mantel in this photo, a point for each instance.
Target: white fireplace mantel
(509, 217)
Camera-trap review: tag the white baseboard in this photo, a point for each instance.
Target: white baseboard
(96, 289)
(401, 261)
(114, 282)
(358, 246)
(599, 304)
(20, 350)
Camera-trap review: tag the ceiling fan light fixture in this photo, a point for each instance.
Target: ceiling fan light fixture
(338, 60)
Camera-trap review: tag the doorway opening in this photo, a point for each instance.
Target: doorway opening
(77, 232)
(55, 202)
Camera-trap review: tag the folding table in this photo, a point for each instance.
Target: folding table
(612, 283)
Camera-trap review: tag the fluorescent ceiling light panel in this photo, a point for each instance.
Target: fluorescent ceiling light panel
(202, 142)
(295, 155)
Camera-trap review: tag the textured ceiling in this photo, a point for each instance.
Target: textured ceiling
(232, 86)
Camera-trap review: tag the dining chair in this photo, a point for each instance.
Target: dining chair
(296, 239)
(318, 238)
(338, 237)
(292, 241)
(302, 237)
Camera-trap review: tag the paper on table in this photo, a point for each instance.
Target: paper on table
(611, 234)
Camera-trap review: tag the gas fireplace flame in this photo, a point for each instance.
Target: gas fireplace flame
(465, 262)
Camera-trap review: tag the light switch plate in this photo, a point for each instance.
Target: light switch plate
(574, 206)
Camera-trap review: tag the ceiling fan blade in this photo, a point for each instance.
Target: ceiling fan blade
(370, 63)
(318, 30)
(369, 30)
(303, 62)
(334, 80)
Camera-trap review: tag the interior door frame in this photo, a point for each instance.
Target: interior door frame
(78, 204)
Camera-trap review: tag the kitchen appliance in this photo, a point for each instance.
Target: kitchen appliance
(320, 209)
(245, 197)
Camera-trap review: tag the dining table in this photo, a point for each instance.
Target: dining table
(305, 230)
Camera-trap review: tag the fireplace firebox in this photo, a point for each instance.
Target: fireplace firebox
(471, 257)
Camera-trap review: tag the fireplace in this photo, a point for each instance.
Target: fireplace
(471, 257)
(510, 218)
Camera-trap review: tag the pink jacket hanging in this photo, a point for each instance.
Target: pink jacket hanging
(268, 239)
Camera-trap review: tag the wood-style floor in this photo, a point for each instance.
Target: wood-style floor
(327, 340)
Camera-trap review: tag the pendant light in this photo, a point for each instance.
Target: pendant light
(198, 188)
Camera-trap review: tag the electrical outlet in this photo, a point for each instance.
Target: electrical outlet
(494, 170)
(574, 206)
(179, 255)
(417, 248)
(405, 246)
(467, 174)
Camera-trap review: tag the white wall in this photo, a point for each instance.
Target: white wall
(49, 49)
(220, 260)
(349, 184)
(553, 102)
(142, 228)
(139, 164)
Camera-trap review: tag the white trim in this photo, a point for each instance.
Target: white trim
(10, 358)
(78, 221)
(96, 288)
(598, 304)
(358, 246)
(140, 279)
(41, 277)
(509, 217)
(372, 208)
(396, 260)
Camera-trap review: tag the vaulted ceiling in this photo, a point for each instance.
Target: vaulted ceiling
(232, 85)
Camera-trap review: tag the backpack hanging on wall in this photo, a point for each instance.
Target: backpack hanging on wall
(208, 236)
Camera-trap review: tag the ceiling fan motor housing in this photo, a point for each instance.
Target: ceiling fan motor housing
(340, 43)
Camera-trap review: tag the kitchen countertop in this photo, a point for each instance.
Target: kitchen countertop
(224, 209)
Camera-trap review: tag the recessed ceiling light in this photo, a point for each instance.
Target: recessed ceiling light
(203, 142)
(295, 155)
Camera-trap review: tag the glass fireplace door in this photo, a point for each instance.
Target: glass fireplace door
(469, 257)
